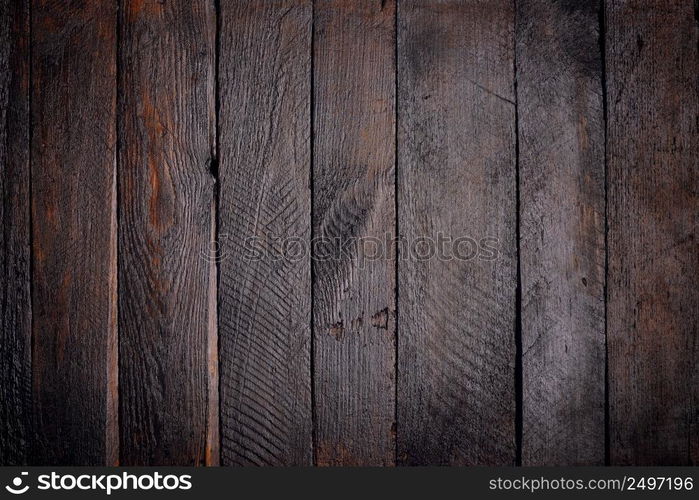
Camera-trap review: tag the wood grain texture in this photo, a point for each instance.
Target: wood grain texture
(73, 101)
(354, 199)
(15, 256)
(456, 178)
(653, 210)
(167, 146)
(538, 159)
(562, 254)
(265, 225)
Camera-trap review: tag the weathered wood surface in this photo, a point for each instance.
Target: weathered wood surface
(200, 200)
(653, 214)
(562, 246)
(15, 256)
(73, 194)
(264, 232)
(166, 220)
(353, 201)
(456, 178)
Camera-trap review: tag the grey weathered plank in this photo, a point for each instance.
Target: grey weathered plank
(265, 221)
(653, 210)
(456, 178)
(73, 108)
(562, 247)
(15, 300)
(167, 328)
(353, 197)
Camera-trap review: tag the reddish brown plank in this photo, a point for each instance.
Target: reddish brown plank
(166, 312)
(15, 300)
(456, 179)
(353, 197)
(562, 254)
(73, 102)
(264, 78)
(653, 213)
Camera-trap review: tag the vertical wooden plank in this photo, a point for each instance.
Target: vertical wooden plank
(73, 103)
(456, 183)
(264, 239)
(353, 204)
(167, 149)
(562, 255)
(653, 210)
(15, 300)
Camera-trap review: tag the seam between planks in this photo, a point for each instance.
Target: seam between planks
(314, 430)
(29, 421)
(118, 146)
(519, 394)
(214, 166)
(603, 75)
(395, 239)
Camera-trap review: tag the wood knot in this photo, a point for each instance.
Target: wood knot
(336, 330)
(380, 319)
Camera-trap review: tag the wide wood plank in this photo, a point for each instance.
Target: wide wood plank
(73, 153)
(265, 226)
(353, 202)
(653, 210)
(167, 327)
(15, 300)
(562, 255)
(456, 180)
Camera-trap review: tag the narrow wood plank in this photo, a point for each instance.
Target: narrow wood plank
(264, 240)
(562, 255)
(167, 147)
(456, 179)
(74, 280)
(653, 210)
(354, 199)
(15, 300)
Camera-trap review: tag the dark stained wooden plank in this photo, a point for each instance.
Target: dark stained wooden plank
(456, 179)
(73, 103)
(265, 220)
(15, 300)
(166, 312)
(653, 214)
(562, 255)
(353, 198)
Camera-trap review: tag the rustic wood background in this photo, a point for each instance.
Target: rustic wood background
(134, 133)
